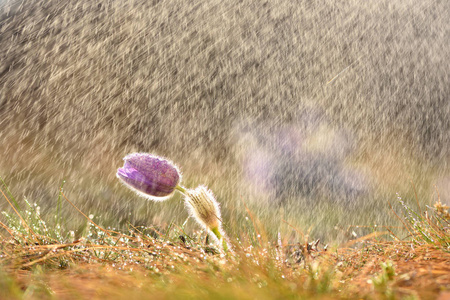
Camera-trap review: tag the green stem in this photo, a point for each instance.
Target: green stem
(217, 233)
(181, 189)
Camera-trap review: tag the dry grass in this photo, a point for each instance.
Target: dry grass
(107, 264)
(174, 271)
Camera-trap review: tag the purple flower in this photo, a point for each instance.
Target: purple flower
(150, 176)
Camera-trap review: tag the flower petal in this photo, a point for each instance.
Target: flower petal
(150, 175)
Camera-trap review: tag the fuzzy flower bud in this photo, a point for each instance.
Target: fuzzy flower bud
(150, 176)
(205, 209)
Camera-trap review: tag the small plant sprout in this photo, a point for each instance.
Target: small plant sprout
(156, 178)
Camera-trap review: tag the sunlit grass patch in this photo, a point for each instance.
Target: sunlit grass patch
(431, 226)
(42, 260)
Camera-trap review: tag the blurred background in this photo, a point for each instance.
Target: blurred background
(313, 112)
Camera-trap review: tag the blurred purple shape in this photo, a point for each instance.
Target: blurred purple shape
(307, 159)
(150, 176)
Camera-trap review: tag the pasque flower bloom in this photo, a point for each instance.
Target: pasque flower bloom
(150, 176)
